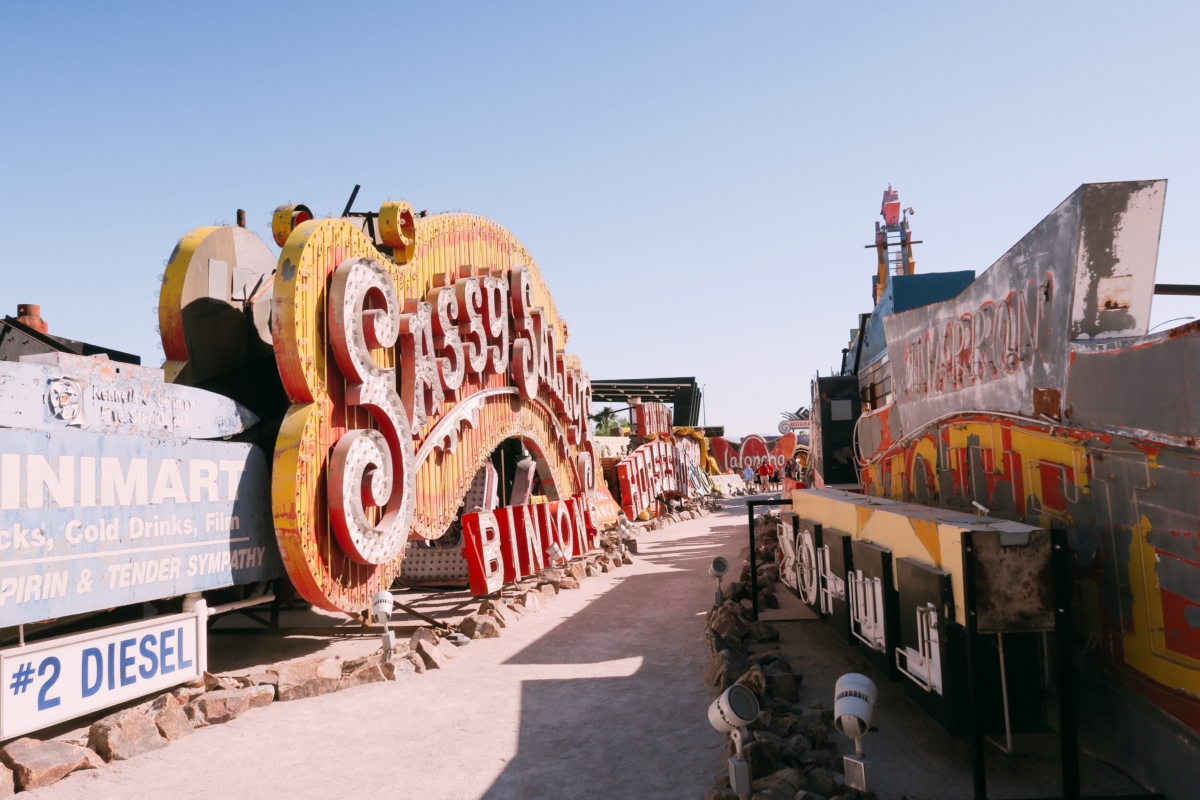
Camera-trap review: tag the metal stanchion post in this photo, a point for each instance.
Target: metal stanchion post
(1067, 723)
(978, 758)
(753, 562)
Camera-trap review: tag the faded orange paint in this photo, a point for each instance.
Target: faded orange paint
(927, 533)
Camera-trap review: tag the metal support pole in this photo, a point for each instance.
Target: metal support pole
(1008, 745)
(249, 602)
(1065, 656)
(753, 563)
(276, 603)
(409, 609)
(978, 758)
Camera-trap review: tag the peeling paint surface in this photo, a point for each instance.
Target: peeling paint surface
(1009, 332)
(1118, 255)
(60, 391)
(1038, 393)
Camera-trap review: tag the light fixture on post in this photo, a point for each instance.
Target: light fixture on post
(381, 610)
(718, 568)
(556, 554)
(730, 713)
(853, 706)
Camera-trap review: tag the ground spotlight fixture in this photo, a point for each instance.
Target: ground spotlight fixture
(853, 706)
(730, 713)
(381, 607)
(381, 612)
(735, 708)
(718, 568)
(555, 553)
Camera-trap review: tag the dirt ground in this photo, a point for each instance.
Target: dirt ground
(598, 696)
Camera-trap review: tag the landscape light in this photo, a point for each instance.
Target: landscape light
(718, 568)
(381, 610)
(730, 713)
(853, 706)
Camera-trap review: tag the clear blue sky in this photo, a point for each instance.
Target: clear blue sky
(697, 181)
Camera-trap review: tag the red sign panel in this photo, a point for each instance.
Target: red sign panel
(752, 452)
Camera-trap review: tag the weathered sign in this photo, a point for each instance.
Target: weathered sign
(1036, 392)
(91, 521)
(753, 451)
(651, 419)
(410, 349)
(62, 391)
(514, 542)
(1086, 271)
(645, 475)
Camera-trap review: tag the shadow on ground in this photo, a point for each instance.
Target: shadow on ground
(642, 736)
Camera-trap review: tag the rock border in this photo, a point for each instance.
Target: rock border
(790, 753)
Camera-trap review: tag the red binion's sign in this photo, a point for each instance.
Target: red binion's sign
(510, 543)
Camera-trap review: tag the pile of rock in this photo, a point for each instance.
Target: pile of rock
(790, 753)
(681, 512)
(766, 537)
(530, 595)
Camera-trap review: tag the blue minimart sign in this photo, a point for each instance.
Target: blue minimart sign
(90, 521)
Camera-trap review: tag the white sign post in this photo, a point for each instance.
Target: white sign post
(50, 681)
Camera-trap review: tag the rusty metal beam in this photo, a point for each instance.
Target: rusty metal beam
(1192, 289)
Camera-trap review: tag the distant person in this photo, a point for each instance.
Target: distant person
(748, 477)
(764, 476)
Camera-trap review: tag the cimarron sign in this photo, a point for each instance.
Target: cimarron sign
(1084, 272)
(405, 371)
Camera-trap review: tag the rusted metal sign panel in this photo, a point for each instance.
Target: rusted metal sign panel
(1013, 586)
(1086, 271)
(1038, 393)
(91, 521)
(59, 391)
(1109, 387)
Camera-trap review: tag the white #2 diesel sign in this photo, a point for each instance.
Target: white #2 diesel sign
(59, 679)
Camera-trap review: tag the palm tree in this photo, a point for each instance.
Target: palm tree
(605, 420)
